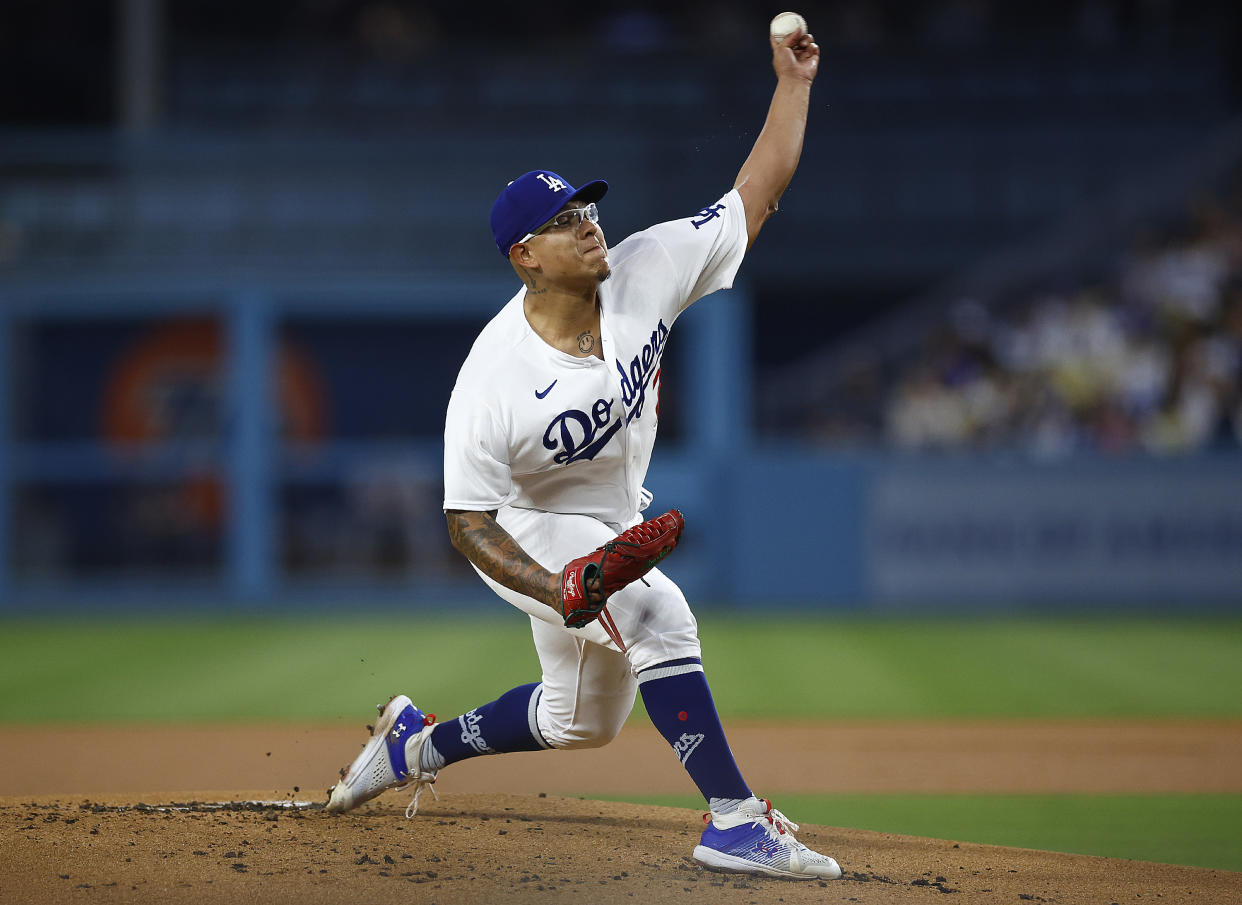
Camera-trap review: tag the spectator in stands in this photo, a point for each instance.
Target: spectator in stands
(1150, 360)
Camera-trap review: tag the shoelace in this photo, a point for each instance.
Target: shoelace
(773, 822)
(779, 822)
(421, 781)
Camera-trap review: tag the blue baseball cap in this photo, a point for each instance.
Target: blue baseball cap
(532, 200)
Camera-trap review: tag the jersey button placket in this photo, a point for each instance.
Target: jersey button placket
(610, 360)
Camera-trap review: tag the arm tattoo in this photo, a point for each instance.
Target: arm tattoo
(532, 288)
(498, 556)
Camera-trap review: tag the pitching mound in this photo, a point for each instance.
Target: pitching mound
(237, 848)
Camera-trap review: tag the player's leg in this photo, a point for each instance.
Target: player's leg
(662, 645)
(583, 700)
(659, 636)
(588, 689)
(501, 726)
(585, 697)
(745, 834)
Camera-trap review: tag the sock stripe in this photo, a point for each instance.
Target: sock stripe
(663, 672)
(430, 759)
(532, 716)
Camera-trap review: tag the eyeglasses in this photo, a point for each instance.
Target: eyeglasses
(569, 219)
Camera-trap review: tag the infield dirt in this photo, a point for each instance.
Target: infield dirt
(96, 815)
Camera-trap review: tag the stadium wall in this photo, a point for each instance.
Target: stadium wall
(254, 476)
(916, 533)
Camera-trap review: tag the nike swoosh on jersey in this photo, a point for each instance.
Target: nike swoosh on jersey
(539, 395)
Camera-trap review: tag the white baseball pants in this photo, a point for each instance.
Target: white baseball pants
(589, 684)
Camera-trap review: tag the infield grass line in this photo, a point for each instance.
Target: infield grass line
(832, 668)
(1194, 830)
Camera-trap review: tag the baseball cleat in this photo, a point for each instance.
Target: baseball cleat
(385, 762)
(758, 839)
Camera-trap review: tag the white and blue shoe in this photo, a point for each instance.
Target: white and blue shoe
(390, 760)
(758, 839)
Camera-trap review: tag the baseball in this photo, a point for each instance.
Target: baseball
(786, 24)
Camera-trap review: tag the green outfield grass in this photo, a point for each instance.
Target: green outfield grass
(238, 669)
(311, 669)
(1199, 830)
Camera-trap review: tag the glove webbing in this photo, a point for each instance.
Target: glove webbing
(611, 547)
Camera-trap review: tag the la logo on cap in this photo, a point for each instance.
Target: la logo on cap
(550, 181)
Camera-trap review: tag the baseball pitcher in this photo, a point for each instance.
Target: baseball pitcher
(549, 432)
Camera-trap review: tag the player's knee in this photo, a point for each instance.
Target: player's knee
(574, 737)
(600, 729)
(672, 642)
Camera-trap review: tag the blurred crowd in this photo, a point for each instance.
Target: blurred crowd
(396, 29)
(1147, 357)
(62, 51)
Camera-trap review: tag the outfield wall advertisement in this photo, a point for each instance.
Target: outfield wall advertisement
(913, 532)
(1088, 533)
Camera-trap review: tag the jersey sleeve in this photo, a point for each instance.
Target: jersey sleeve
(476, 458)
(705, 250)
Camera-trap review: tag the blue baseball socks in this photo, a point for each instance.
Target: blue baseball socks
(681, 707)
(506, 724)
(677, 699)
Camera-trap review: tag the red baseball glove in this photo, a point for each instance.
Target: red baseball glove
(588, 581)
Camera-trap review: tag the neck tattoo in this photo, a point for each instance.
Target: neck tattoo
(586, 342)
(533, 289)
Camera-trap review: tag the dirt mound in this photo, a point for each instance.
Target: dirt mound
(212, 847)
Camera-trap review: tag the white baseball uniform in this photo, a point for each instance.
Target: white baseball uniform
(559, 447)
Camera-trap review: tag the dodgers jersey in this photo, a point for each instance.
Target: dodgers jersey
(532, 427)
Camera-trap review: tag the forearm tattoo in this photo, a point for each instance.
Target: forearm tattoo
(490, 547)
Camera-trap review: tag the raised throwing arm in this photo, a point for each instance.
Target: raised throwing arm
(774, 157)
